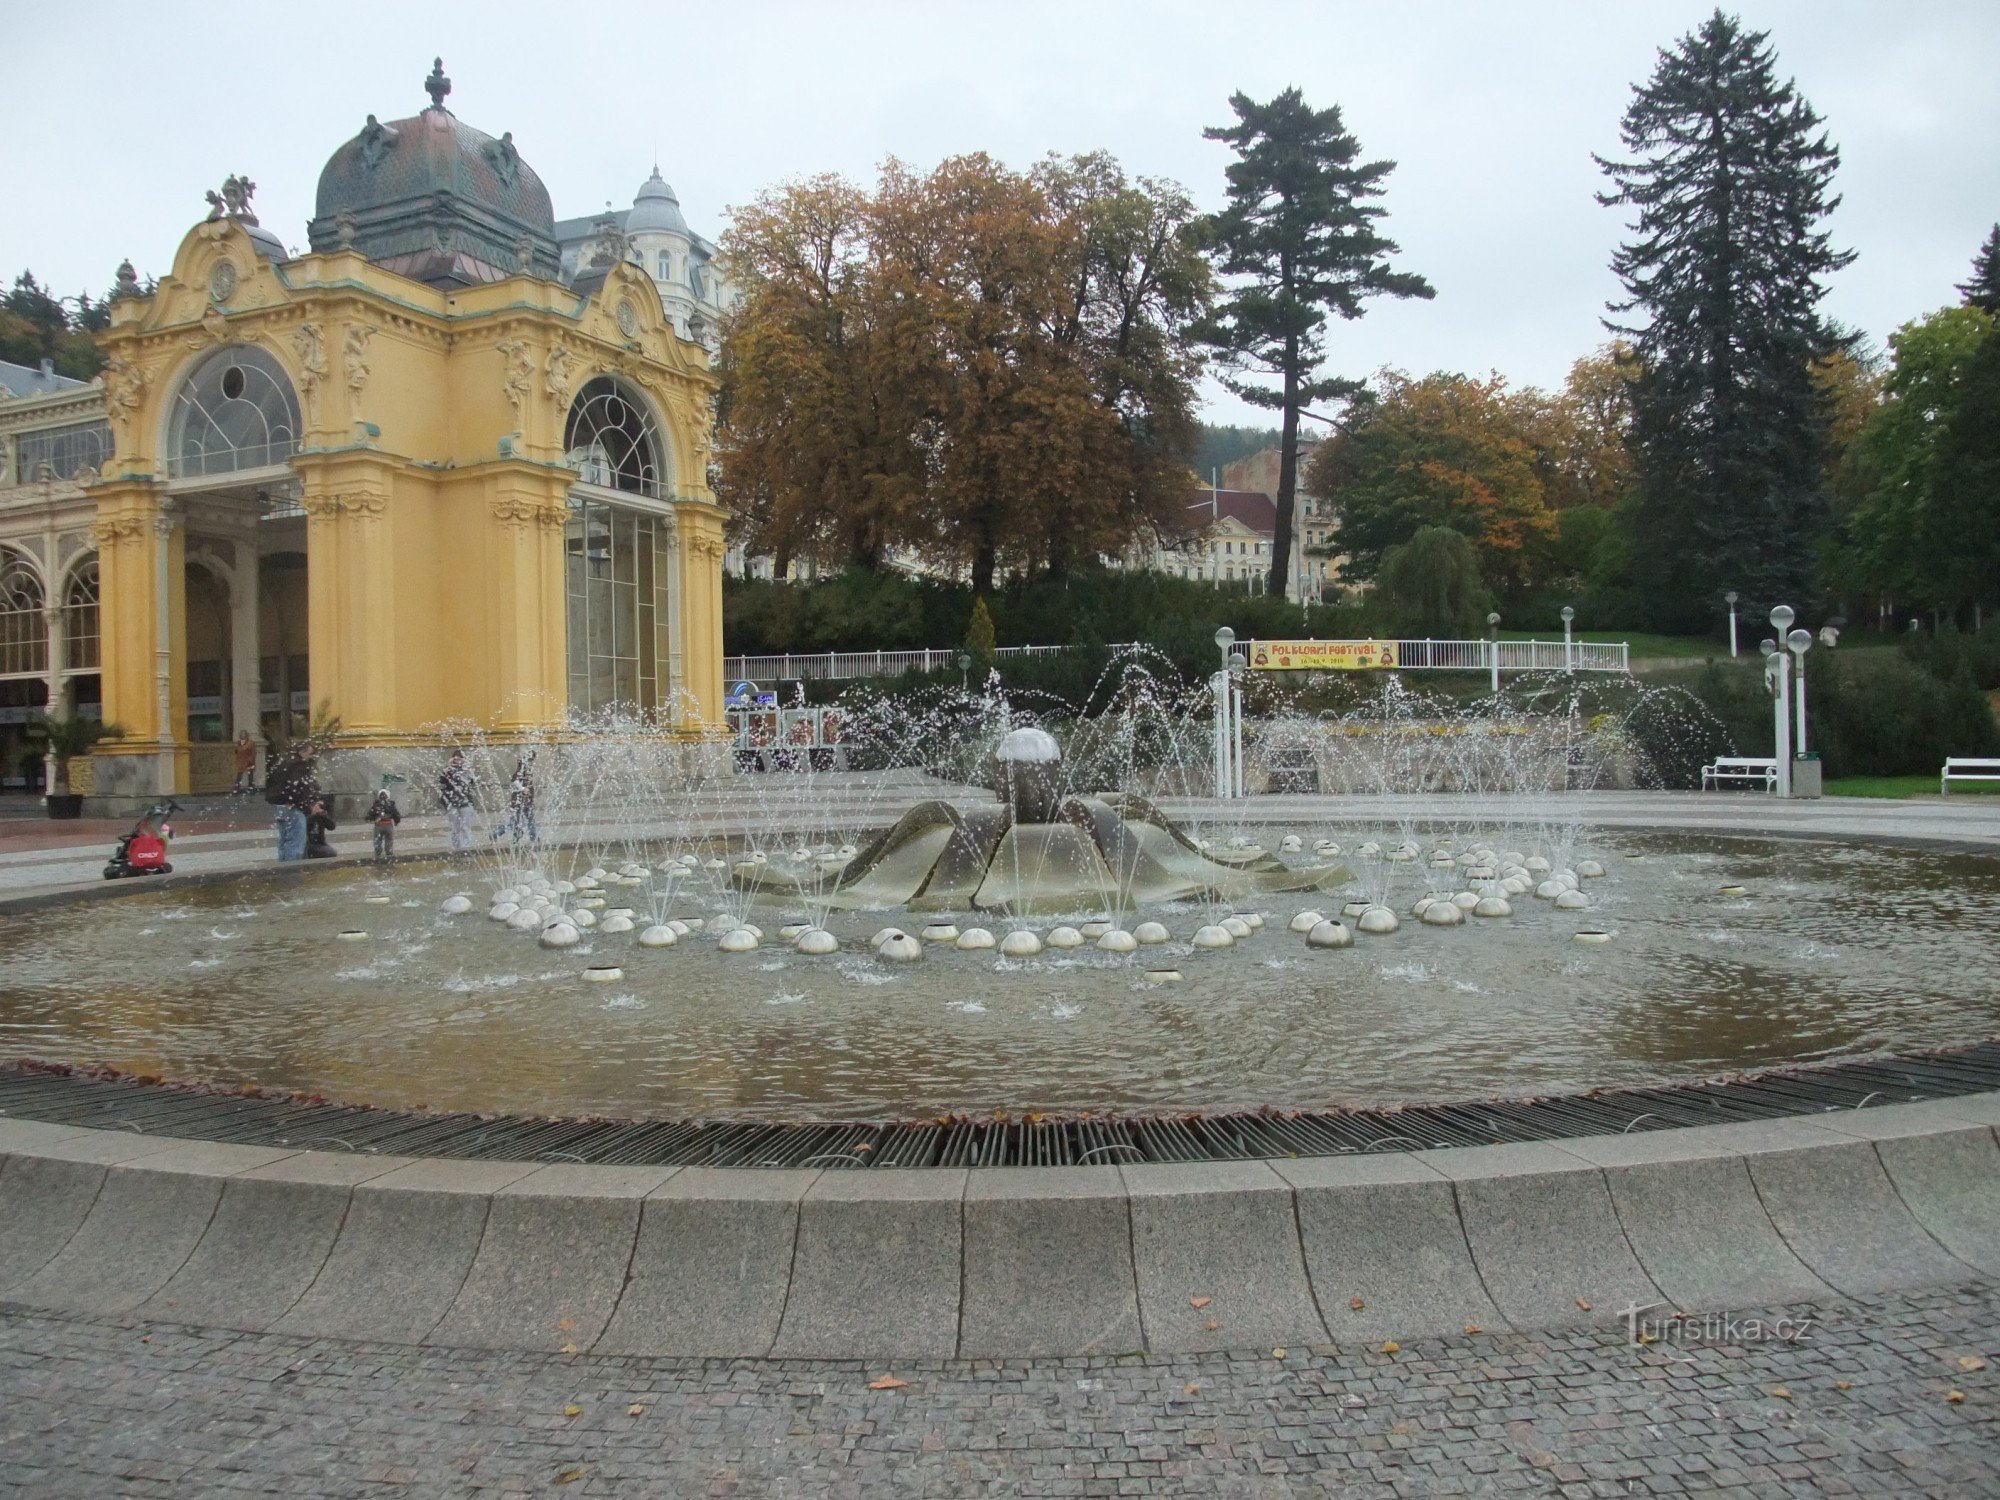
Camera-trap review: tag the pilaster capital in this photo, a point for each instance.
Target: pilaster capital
(522, 510)
(360, 505)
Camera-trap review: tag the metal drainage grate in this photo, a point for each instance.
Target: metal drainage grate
(33, 1092)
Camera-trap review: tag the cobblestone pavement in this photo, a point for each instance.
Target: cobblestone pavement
(1892, 1397)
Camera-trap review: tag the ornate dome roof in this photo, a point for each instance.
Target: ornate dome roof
(655, 209)
(434, 199)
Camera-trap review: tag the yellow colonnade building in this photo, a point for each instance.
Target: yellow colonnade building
(410, 478)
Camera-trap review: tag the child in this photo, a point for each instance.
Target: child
(319, 823)
(385, 816)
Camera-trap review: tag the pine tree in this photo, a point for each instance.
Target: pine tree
(1731, 177)
(1983, 290)
(1299, 238)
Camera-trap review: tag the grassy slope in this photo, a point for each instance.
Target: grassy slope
(1903, 786)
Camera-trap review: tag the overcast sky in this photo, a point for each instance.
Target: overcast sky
(1491, 110)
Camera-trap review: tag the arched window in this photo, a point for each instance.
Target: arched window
(24, 634)
(611, 439)
(80, 636)
(235, 410)
(666, 267)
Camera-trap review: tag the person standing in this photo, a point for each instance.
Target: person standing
(319, 823)
(385, 815)
(455, 791)
(246, 762)
(293, 788)
(521, 802)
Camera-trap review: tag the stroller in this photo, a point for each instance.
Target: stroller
(143, 851)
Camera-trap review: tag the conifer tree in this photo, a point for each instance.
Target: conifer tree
(1299, 241)
(1959, 536)
(1731, 176)
(1983, 290)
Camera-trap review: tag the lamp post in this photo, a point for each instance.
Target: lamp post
(1569, 651)
(1730, 599)
(1801, 642)
(1774, 680)
(1493, 649)
(1224, 639)
(1781, 621)
(964, 666)
(1239, 668)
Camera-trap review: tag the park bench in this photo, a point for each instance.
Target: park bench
(1733, 768)
(1967, 768)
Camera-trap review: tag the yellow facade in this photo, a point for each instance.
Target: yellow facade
(428, 489)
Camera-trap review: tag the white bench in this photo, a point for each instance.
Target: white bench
(1966, 768)
(1732, 768)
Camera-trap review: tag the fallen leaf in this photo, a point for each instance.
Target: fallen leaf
(572, 1411)
(1211, 1325)
(569, 1349)
(1781, 1393)
(635, 1410)
(147, 1339)
(887, 1383)
(1970, 1362)
(1845, 1385)
(566, 1325)
(570, 1476)
(1649, 1338)
(1356, 1303)
(1199, 1301)
(1278, 1353)
(1954, 1397)
(1190, 1389)
(1392, 1347)
(1582, 1303)
(1474, 1328)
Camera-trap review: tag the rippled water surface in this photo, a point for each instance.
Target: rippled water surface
(1831, 951)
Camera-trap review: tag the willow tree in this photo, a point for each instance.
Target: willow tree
(1730, 175)
(1299, 246)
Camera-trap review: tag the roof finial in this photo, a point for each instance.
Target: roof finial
(437, 85)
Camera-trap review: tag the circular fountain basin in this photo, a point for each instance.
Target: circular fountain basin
(1831, 950)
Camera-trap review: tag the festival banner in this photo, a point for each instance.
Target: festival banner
(1322, 656)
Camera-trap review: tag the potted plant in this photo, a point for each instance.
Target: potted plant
(66, 740)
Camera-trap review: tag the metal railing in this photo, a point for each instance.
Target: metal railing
(1412, 655)
(831, 665)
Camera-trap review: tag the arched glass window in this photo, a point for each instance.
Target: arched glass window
(24, 634)
(235, 410)
(80, 637)
(611, 439)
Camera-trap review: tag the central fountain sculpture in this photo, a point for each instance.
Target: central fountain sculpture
(1036, 851)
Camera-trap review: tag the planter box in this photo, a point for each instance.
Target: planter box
(65, 805)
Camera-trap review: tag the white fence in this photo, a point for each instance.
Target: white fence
(1412, 655)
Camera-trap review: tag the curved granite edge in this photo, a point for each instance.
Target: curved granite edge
(1001, 1263)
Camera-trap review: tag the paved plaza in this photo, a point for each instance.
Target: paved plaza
(1891, 1397)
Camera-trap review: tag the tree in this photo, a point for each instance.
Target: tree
(987, 368)
(1883, 540)
(1299, 238)
(1444, 451)
(1580, 432)
(1982, 289)
(1960, 537)
(979, 643)
(1731, 178)
(1430, 585)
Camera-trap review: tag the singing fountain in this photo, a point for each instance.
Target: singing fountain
(731, 1044)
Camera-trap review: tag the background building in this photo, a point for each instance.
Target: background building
(653, 235)
(412, 477)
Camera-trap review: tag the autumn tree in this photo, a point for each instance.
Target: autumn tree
(989, 368)
(1445, 450)
(1730, 176)
(1299, 243)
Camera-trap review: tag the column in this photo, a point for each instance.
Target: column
(524, 633)
(142, 622)
(698, 613)
(246, 687)
(350, 619)
(54, 706)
